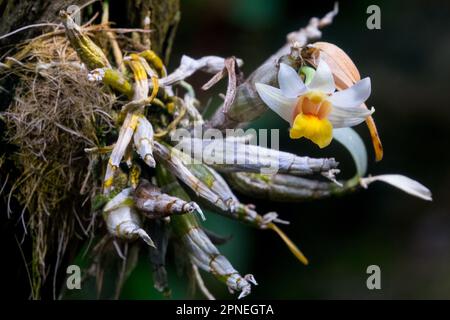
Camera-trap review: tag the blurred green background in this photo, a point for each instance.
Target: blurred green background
(408, 62)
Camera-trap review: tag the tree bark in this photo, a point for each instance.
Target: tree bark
(164, 17)
(15, 14)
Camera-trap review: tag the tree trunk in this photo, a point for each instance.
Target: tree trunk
(164, 17)
(15, 14)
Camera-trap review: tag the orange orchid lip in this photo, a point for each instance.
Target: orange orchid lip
(313, 103)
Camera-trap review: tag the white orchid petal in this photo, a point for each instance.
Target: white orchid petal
(291, 84)
(275, 100)
(323, 79)
(353, 96)
(403, 183)
(348, 117)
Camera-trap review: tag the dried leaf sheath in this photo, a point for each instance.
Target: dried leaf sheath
(207, 185)
(201, 250)
(140, 88)
(122, 219)
(235, 209)
(286, 188)
(154, 204)
(207, 180)
(143, 141)
(235, 156)
(206, 256)
(164, 155)
(125, 135)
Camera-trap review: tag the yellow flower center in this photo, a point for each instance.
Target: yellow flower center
(310, 119)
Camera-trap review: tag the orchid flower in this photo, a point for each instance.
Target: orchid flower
(314, 109)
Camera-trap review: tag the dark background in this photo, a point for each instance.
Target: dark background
(408, 61)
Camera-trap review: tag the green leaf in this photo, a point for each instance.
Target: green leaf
(355, 145)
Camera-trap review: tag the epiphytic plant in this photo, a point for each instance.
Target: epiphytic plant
(148, 186)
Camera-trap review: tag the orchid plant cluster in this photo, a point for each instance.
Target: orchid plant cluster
(153, 191)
